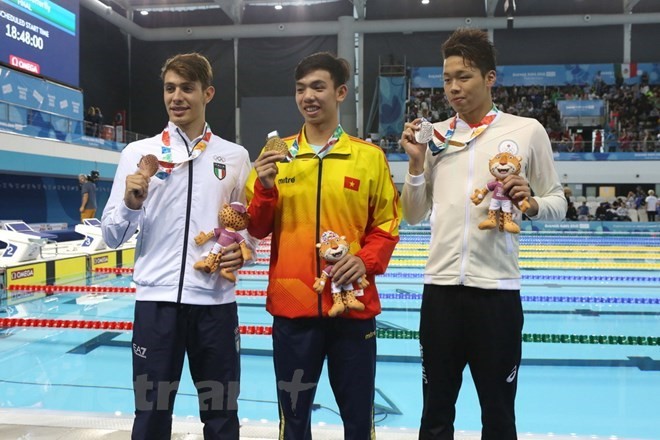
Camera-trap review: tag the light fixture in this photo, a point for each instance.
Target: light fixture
(426, 2)
(144, 12)
(278, 6)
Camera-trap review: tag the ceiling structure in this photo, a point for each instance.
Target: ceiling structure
(351, 22)
(163, 20)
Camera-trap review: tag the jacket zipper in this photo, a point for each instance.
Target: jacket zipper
(468, 205)
(187, 224)
(318, 236)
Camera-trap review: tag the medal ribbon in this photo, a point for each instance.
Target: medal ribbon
(476, 131)
(293, 150)
(165, 163)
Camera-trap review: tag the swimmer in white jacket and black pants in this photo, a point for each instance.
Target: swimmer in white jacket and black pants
(178, 309)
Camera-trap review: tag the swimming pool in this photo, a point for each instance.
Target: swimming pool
(591, 363)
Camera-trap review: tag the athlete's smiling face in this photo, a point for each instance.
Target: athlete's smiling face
(185, 101)
(318, 98)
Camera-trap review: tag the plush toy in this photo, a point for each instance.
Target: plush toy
(332, 249)
(501, 165)
(233, 217)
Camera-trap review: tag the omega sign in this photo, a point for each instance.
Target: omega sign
(100, 260)
(20, 274)
(24, 64)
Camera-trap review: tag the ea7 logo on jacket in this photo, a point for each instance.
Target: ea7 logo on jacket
(219, 167)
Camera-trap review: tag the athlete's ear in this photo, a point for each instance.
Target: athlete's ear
(341, 93)
(209, 93)
(491, 77)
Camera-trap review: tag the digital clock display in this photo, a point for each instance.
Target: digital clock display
(41, 37)
(26, 37)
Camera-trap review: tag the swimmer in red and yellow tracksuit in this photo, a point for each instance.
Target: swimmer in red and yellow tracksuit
(350, 191)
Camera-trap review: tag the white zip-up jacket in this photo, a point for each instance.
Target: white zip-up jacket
(177, 208)
(460, 253)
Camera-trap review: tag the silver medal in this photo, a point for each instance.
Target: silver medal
(425, 132)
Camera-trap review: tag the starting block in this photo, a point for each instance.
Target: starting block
(23, 242)
(91, 229)
(98, 252)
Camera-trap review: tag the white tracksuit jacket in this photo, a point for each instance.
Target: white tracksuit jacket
(176, 210)
(460, 253)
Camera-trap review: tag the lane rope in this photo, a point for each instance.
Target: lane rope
(399, 295)
(380, 333)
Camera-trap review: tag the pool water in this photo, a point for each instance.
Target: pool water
(573, 385)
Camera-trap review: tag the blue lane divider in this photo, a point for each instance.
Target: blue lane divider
(405, 295)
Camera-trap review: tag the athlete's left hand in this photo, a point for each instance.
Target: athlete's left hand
(232, 258)
(518, 189)
(348, 270)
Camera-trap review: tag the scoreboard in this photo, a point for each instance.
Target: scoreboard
(41, 37)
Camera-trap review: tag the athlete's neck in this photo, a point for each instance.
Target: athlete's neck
(194, 129)
(318, 134)
(475, 116)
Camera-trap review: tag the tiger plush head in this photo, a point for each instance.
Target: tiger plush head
(234, 216)
(504, 164)
(332, 247)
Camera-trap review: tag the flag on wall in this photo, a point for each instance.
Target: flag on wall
(625, 71)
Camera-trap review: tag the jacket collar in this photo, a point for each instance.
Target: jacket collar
(179, 138)
(343, 147)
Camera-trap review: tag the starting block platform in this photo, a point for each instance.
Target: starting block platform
(35, 257)
(63, 267)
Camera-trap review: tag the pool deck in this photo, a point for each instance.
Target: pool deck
(53, 425)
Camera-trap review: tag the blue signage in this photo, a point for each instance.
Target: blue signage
(551, 75)
(38, 94)
(581, 108)
(592, 226)
(426, 77)
(619, 156)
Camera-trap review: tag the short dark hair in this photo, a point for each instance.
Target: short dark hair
(473, 46)
(339, 68)
(191, 66)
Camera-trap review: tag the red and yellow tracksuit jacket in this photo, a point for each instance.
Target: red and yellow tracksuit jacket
(350, 191)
